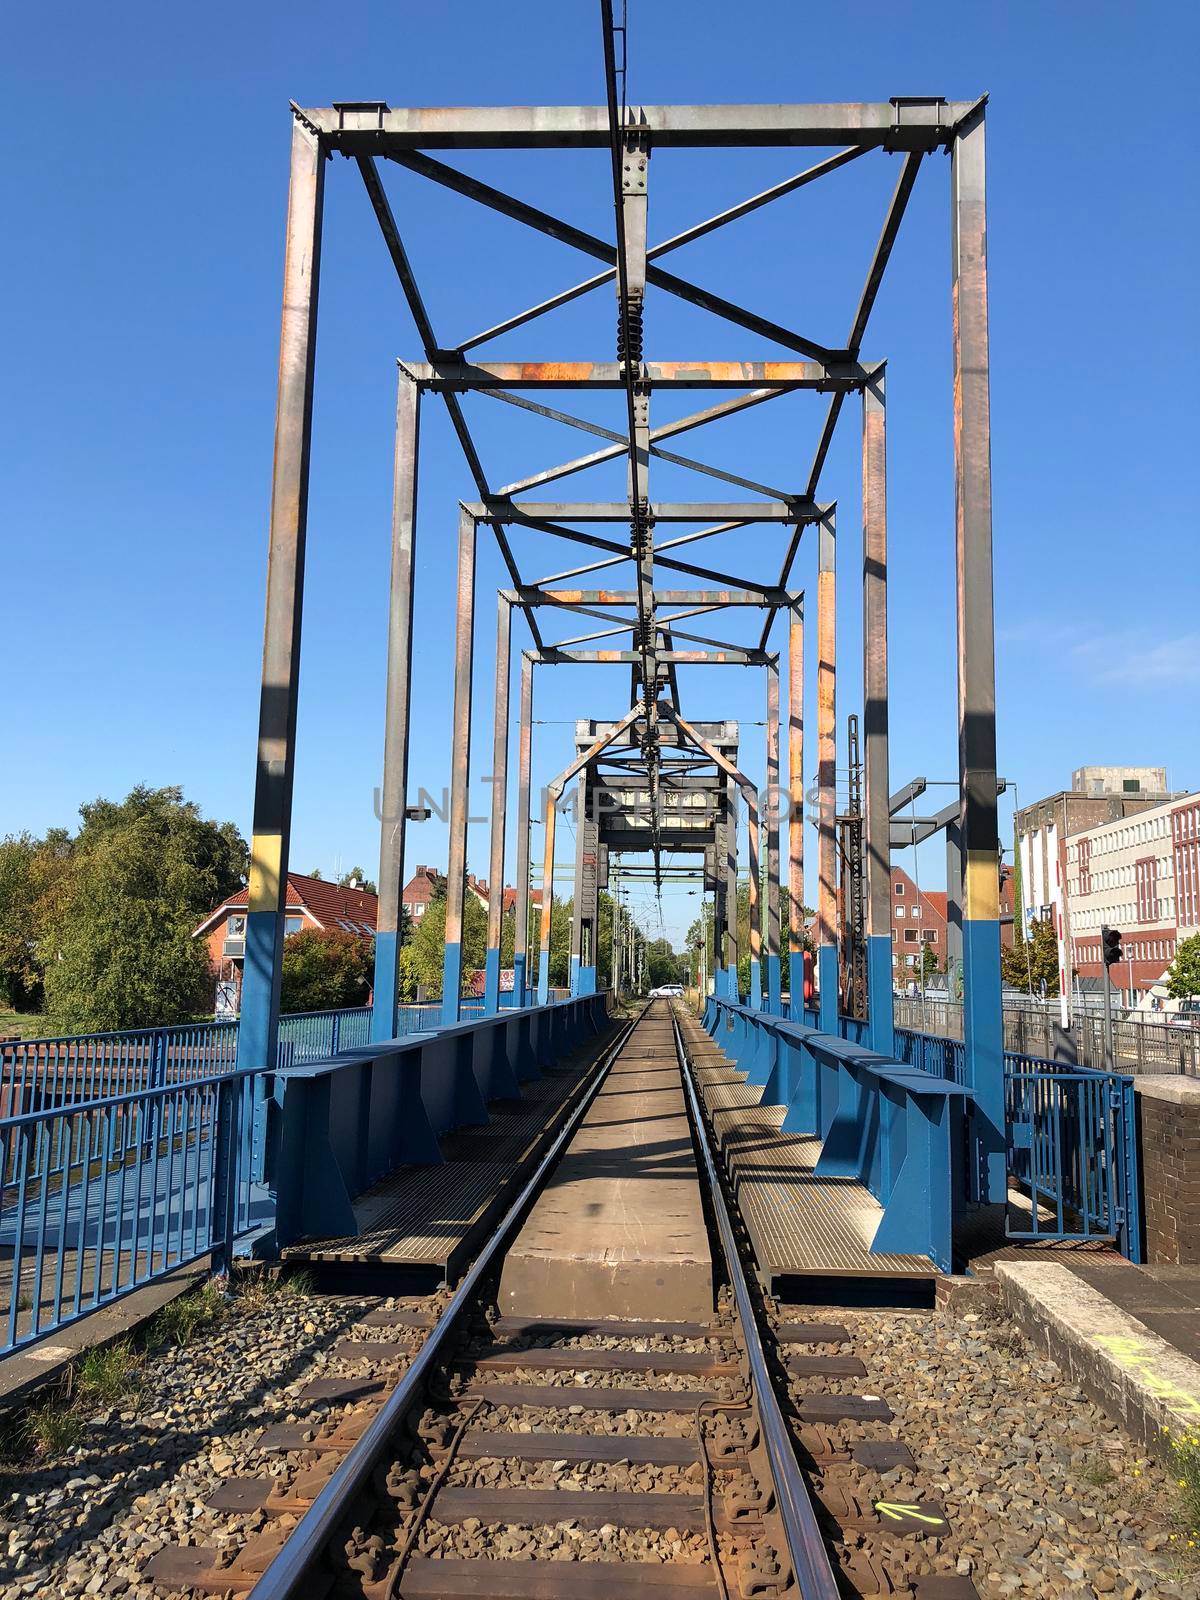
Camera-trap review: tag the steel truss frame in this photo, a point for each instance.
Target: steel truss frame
(910, 129)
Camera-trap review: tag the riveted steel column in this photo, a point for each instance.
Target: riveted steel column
(983, 1029)
(877, 828)
(577, 894)
(491, 960)
(276, 764)
(524, 754)
(774, 804)
(720, 914)
(796, 812)
(394, 793)
(954, 909)
(456, 867)
(827, 954)
(732, 982)
(753, 899)
(547, 911)
(587, 846)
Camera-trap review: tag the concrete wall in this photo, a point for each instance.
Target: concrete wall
(1169, 1137)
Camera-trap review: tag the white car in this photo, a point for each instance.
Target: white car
(667, 991)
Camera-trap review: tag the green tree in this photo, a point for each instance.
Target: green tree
(1183, 975)
(561, 912)
(407, 978)
(662, 964)
(1027, 962)
(118, 950)
(356, 878)
(325, 969)
(33, 877)
(428, 943)
(929, 964)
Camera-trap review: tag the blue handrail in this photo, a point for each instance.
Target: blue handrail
(114, 1180)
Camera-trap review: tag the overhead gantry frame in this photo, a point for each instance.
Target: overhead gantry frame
(909, 128)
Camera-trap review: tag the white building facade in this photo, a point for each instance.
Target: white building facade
(1138, 875)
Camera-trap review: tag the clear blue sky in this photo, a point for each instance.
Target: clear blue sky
(146, 185)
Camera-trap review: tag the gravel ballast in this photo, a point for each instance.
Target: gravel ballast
(87, 1522)
(1044, 1494)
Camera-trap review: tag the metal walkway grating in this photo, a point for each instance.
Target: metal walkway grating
(799, 1225)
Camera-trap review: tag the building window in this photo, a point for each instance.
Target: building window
(910, 936)
(292, 925)
(930, 935)
(236, 927)
(1131, 785)
(899, 888)
(899, 911)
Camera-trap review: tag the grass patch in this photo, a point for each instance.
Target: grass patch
(53, 1429)
(102, 1376)
(181, 1320)
(257, 1290)
(1098, 1473)
(1183, 1451)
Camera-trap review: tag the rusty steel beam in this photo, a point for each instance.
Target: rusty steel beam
(456, 866)
(536, 513)
(710, 599)
(385, 1017)
(275, 767)
(916, 122)
(827, 949)
(796, 811)
(692, 658)
(524, 778)
(774, 798)
(877, 828)
(491, 968)
(983, 1028)
(447, 372)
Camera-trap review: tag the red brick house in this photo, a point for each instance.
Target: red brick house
(311, 903)
(427, 883)
(918, 920)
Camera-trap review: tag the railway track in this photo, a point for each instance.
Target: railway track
(740, 1455)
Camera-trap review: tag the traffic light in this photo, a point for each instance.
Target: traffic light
(1110, 944)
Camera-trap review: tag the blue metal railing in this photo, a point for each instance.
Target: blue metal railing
(48, 1075)
(1072, 1150)
(120, 1211)
(1071, 1136)
(930, 1052)
(102, 1193)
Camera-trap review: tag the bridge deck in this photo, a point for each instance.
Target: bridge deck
(428, 1217)
(800, 1225)
(620, 1226)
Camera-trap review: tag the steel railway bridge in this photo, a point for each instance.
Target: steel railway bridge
(652, 777)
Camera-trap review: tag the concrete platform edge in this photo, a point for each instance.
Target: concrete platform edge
(1140, 1380)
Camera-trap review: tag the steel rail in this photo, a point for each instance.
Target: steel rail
(806, 1546)
(289, 1574)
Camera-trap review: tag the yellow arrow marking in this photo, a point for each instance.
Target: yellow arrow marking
(897, 1510)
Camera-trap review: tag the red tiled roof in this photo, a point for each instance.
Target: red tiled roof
(326, 902)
